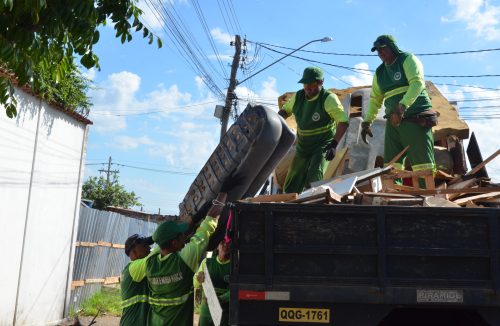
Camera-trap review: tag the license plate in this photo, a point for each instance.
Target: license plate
(304, 315)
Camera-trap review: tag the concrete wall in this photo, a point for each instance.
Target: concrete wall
(41, 161)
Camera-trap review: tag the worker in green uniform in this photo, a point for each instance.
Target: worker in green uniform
(321, 123)
(135, 291)
(170, 270)
(399, 84)
(219, 268)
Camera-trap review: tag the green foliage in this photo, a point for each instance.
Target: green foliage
(70, 91)
(106, 301)
(111, 193)
(48, 34)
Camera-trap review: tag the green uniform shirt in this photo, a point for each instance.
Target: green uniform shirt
(316, 119)
(135, 297)
(170, 279)
(219, 274)
(400, 82)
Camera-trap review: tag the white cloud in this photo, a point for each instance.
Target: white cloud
(479, 16)
(115, 99)
(115, 94)
(267, 95)
(189, 145)
(221, 36)
(127, 142)
(90, 73)
(477, 113)
(363, 78)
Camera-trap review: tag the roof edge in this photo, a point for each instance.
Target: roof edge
(57, 106)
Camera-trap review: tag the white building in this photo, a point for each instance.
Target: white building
(42, 154)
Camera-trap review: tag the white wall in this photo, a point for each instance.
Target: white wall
(41, 157)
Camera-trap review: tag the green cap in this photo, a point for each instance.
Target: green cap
(311, 74)
(383, 41)
(168, 230)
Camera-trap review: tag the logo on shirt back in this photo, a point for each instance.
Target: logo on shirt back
(397, 75)
(315, 116)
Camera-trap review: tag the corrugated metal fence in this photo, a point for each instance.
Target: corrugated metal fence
(99, 252)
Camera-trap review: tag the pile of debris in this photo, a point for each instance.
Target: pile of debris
(381, 186)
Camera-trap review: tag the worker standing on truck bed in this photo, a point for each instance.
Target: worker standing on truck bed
(399, 84)
(135, 290)
(219, 268)
(321, 123)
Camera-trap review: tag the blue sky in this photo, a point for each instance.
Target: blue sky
(153, 111)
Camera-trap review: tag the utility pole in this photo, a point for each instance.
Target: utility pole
(230, 96)
(108, 171)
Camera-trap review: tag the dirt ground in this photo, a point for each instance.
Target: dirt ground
(106, 321)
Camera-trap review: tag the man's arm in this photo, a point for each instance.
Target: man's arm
(137, 268)
(336, 111)
(414, 71)
(192, 252)
(287, 107)
(201, 269)
(376, 100)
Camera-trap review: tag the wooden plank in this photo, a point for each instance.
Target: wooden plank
(397, 157)
(272, 198)
(481, 165)
(461, 185)
(118, 246)
(334, 164)
(389, 194)
(87, 244)
(112, 280)
(94, 280)
(340, 169)
(76, 284)
(394, 174)
(478, 167)
(104, 244)
(484, 190)
(470, 198)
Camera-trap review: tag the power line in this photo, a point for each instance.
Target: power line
(365, 71)
(140, 168)
(375, 55)
(478, 87)
(157, 170)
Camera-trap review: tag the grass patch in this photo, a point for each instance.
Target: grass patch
(106, 301)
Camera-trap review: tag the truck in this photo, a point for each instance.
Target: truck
(324, 264)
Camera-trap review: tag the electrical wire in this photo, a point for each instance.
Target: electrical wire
(375, 55)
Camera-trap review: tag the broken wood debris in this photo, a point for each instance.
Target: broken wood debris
(390, 186)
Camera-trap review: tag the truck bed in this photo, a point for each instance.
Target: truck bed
(358, 264)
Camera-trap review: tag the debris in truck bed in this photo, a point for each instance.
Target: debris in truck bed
(378, 187)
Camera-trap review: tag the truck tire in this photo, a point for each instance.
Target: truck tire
(251, 148)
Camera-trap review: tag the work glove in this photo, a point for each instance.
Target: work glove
(397, 115)
(366, 130)
(330, 150)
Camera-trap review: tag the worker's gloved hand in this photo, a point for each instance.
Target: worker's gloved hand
(397, 115)
(366, 130)
(330, 150)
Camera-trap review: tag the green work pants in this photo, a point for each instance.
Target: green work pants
(305, 168)
(421, 142)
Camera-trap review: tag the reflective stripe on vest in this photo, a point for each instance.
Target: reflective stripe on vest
(396, 91)
(396, 165)
(170, 301)
(424, 166)
(317, 131)
(133, 300)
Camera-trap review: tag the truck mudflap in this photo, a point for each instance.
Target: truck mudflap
(251, 149)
